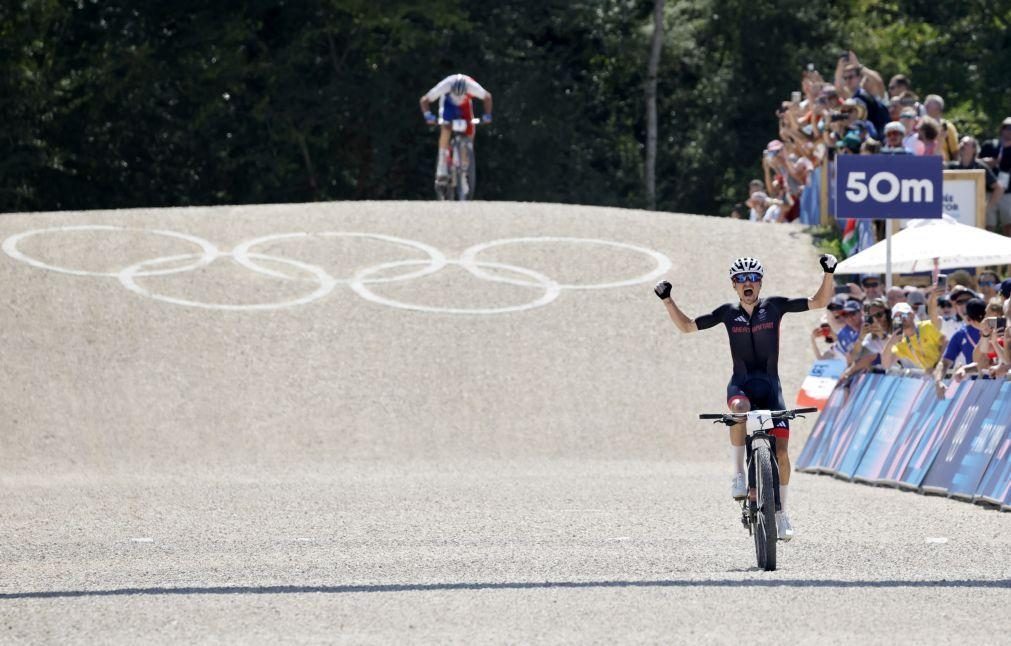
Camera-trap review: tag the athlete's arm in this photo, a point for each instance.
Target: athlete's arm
(486, 104)
(680, 319)
(823, 296)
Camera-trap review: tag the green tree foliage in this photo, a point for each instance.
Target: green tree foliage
(116, 104)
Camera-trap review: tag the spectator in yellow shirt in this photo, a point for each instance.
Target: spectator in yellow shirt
(917, 344)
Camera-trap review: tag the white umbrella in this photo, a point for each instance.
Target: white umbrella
(926, 244)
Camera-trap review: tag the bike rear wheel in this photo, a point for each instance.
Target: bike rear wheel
(765, 499)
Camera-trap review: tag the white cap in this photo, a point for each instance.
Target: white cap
(901, 308)
(895, 125)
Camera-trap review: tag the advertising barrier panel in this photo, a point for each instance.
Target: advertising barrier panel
(819, 383)
(905, 397)
(945, 469)
(822, 429)
(866, 425)
(887, 429)
(835, 443)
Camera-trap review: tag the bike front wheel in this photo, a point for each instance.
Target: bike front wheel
(765, 500)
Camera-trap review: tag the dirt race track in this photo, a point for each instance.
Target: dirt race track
(215, 433)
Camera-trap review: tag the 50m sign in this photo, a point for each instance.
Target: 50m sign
(889, 186)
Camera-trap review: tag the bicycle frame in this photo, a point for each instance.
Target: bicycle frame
(461, 175)
(755, 515)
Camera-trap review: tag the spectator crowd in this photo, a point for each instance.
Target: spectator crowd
(857, 114)
(960, 325)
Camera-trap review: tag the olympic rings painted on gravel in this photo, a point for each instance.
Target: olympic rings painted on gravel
(363, 282)
(326, 284)
(551, 288)
(10, 247)
(437, 259)
(663, 263)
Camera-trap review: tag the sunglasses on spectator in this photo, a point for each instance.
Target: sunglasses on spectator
(878, 315)
(847, 77)
(987, 283)
(747, 278)
(875, 284)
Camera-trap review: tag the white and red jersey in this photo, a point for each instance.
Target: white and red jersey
(442, 91)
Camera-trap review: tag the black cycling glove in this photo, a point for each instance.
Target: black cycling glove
(662, 289)
(828, 263)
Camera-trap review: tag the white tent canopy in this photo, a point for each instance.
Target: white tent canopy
(924, 242)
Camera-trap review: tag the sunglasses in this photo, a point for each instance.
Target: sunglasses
(878, 315)
(872, 284)
(849, 76)
(987, 283)
(747, 278)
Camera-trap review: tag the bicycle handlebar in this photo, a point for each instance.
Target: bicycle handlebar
(734, 418)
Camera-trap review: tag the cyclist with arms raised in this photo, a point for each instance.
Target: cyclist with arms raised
(454, 94)
(753, 327)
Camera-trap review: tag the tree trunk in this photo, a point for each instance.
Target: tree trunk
(651, 72)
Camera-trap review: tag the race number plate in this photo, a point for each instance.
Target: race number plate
(459, 125)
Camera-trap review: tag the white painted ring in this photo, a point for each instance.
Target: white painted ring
(663, 263)
(210, 251)
(326, 285)
(437, 260)
(551, 289)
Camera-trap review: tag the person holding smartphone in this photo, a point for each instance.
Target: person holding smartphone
(915, 344)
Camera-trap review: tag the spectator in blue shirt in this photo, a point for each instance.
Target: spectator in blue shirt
(965, 340)
(849, 333)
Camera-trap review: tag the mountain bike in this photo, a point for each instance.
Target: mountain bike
(758, 510)
(462, 164)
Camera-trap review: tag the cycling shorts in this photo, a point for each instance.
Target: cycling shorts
(452, 111)
(761, 392)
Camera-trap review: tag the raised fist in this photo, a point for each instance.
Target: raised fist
(662, 290)
(828, 263)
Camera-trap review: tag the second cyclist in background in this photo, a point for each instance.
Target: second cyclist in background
(454, 94)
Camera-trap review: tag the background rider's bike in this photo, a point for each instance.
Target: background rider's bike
(462, 165)
(758, 510)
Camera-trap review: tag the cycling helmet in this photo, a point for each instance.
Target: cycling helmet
(746, 265)
(459, 86)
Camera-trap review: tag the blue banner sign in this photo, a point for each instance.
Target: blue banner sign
(889, 186)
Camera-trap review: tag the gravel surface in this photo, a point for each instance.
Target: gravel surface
(345, 470)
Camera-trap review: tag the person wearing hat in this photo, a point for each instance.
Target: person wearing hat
(915, 344)
(894, 134)
(909, 118)
(877, 326)
(1005, 289)
(989, 282)
(998, 215)
(849, 315)
(871, 284)
(949, 320)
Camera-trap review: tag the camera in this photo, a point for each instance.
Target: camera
(838, 116)
(844, 55)
(991, 322)
(897, 325)
(942, 281)
(868, 319)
